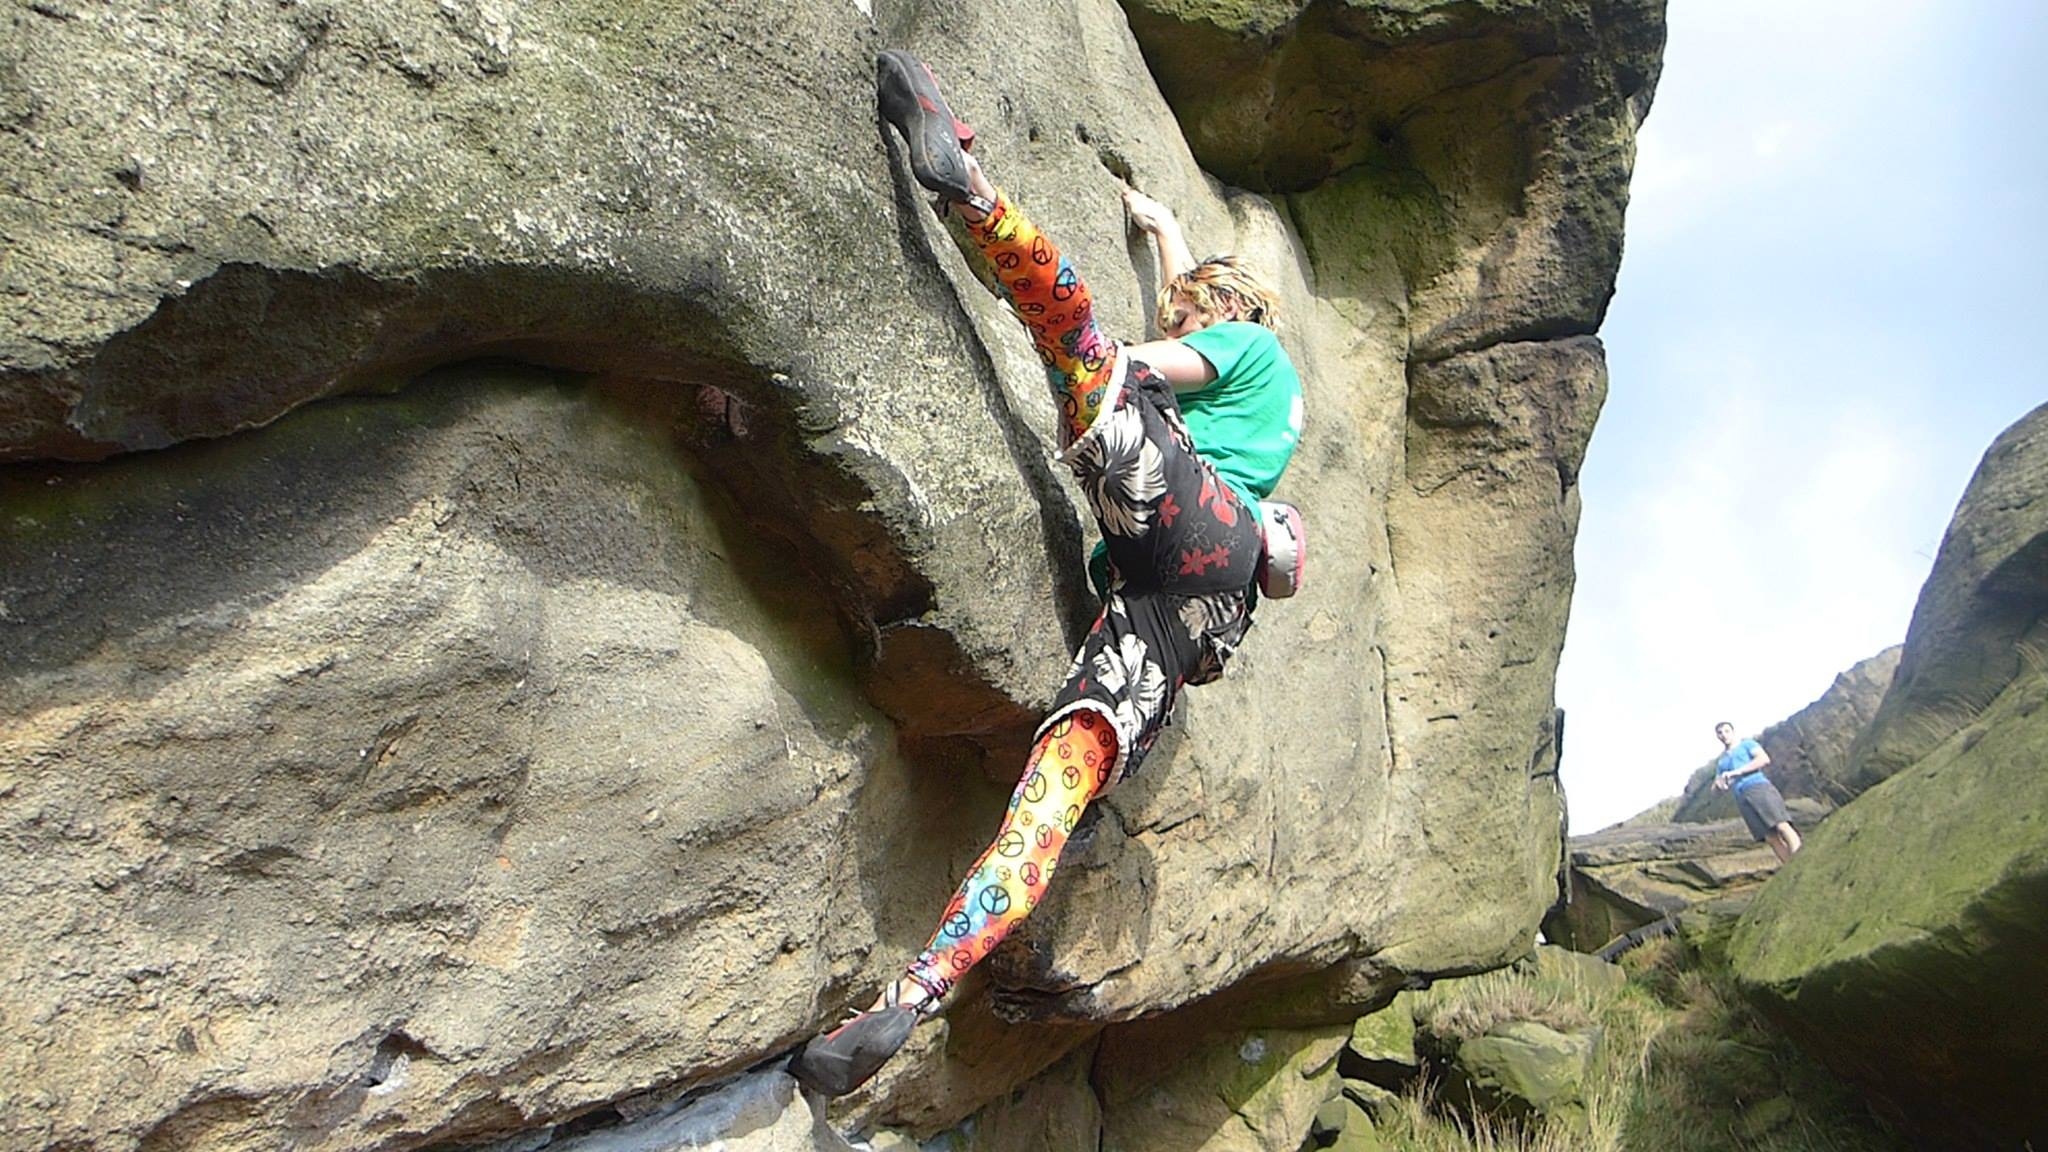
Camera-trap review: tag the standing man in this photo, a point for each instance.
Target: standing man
(1741, 767)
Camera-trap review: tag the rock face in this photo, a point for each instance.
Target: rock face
(1810, 749)
(1524, 1070)
(1252, 1091)
(1905, 946)
(1622, 878)
(531, 561)
(1976, 630)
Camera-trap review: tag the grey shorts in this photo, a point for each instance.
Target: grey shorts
(1761, 806)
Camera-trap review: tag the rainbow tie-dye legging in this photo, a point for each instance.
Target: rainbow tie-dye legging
(1057, 310)
(1069, 766)
(1072, 762)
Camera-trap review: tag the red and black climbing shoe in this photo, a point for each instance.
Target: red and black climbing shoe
(836, 1062)
(936, 141)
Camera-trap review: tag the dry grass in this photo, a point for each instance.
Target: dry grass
(1421, 1126)
(1714, 1059)
(1461, 1009)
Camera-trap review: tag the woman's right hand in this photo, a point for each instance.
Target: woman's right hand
(1147, 213)
(1157, 220)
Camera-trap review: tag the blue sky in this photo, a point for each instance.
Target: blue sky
(1837, 240)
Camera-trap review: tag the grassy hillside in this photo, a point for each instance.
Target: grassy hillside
(1683, 1066)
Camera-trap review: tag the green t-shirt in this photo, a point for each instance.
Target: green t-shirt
(1247, 421)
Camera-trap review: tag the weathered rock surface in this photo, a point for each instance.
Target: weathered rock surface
(1621, 878)
(1344, 1125)
(1810, 749)
(1905, 946)
(329, 787)
(1976, 629)
(1523, 1070)
(1493, 136)
(1059, 1109)
(446, 760)
(1381, 1049)
(1253, 1091)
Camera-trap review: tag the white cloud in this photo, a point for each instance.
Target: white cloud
(1772, 139)
(1750, 81)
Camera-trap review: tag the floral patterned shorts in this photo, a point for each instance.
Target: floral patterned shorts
(1183, 552)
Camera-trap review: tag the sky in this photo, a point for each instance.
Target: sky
(1836, 246)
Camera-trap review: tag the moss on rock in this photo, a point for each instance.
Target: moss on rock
(1894, 945)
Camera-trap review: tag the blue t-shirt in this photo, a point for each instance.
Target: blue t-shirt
(1734, 758)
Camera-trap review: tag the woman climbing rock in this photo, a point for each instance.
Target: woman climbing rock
(1175, 443)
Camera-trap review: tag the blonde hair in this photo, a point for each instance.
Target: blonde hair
(1216, 286)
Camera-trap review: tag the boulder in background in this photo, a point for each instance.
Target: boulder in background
(1901, 946)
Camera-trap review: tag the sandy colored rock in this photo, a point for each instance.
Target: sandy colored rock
(1252, 1091)
(384, 768)
(536, 740)
(1493, 445)
(1447, 123)
(1055, 1111)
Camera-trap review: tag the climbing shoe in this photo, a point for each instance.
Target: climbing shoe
(936, 141)
(836, 1062)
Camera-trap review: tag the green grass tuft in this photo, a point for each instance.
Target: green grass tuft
(1684, 1065)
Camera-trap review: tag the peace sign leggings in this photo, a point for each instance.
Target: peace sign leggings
(1183, 552)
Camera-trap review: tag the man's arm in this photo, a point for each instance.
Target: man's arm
(1756, 763)
(1157, 219)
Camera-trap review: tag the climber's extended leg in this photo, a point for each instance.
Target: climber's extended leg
(1048, 294)
(1069, 766)
(1072, 761)
(1056, 307)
